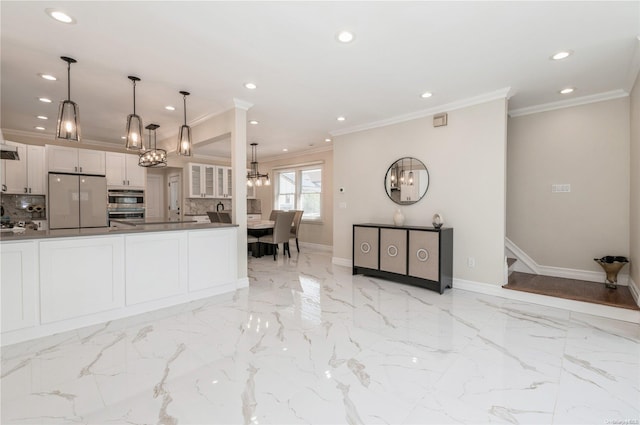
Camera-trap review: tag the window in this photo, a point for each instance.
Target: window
(300, 188)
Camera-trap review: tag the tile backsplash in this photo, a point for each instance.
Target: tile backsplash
(23, 207)
(201, 206)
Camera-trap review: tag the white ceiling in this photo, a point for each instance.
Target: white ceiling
(305, 78)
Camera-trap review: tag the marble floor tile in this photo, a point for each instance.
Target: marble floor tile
(309, 343)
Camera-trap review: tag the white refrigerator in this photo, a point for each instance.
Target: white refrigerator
(77, 200)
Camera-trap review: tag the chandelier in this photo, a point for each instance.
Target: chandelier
(254, 178)
(153, 157)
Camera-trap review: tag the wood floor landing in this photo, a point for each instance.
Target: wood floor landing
(572, 289)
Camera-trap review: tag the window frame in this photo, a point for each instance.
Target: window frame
(298, 170)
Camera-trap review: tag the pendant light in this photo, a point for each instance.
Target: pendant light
(254, 177)
(68, 127)
(154, 157)
(184, 136)
(402, 171)
(135, 139)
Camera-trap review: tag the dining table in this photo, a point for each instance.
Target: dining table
(259, 228)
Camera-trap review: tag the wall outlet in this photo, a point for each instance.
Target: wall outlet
(471, 262)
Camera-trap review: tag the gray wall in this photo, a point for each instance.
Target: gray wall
(586, 146)
(466, 163)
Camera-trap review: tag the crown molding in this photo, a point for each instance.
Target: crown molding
(242, 104)
(49, 139)
(584, 100)
(297, 153)
(504, 93)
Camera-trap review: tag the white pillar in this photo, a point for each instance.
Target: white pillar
(239, 187)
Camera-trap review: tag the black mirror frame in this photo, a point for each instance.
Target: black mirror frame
(386, 176)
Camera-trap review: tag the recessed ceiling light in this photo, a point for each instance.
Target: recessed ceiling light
(253, 122)
(341, 118)
(285, 150)
(48, 77)
(327, 140)
(567, 90)
(345, 37)
(250, 86)
(60, 16)
(42, 117)
(123, 137)
(44, 99)
(426, 94)
(39, 128)
(561, 55)
(170, 108)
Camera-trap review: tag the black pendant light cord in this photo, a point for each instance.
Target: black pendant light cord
(68, 80)
(134, 97)
(69, 61)
(184, 99)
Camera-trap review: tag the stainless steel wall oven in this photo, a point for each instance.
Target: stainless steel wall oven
(126, 204)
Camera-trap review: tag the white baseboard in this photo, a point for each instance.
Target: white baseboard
(549, 301)
(243, 282)
(342, 261)
(530, 266)
(522, 257)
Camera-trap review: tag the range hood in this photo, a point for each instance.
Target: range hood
(8, 152)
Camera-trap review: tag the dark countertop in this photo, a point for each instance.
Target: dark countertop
(106, 231)
(226, 211)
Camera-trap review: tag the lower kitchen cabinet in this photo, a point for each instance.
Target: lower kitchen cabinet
(80, 276)
(421, 256)
(19, 278)
(160, 266)
(209, 256)
(57, 284)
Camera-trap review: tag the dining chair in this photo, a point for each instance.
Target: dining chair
(225, 217)
(213, 216)
(297, 218)
(281, 233)
(273, 214)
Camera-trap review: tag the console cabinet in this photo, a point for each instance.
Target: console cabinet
(421, 256)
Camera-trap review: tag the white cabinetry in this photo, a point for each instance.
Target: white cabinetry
(80, 276)
(63, 159)
(201, 181)
(26, 175)
(223, 182)
(123, 171)
(209, 256)
(19, 285)
(160, 269)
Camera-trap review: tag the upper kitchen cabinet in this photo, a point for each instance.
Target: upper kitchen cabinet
(63, 159)
(223, 182)
(201, 180)
(123, 171)
(26, 175)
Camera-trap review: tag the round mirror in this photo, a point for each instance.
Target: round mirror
(407, 181)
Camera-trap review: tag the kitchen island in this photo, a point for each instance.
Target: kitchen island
(58, 280)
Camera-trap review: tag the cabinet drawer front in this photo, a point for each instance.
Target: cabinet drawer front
(393, 250)
(365, 247)
(424, 256)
